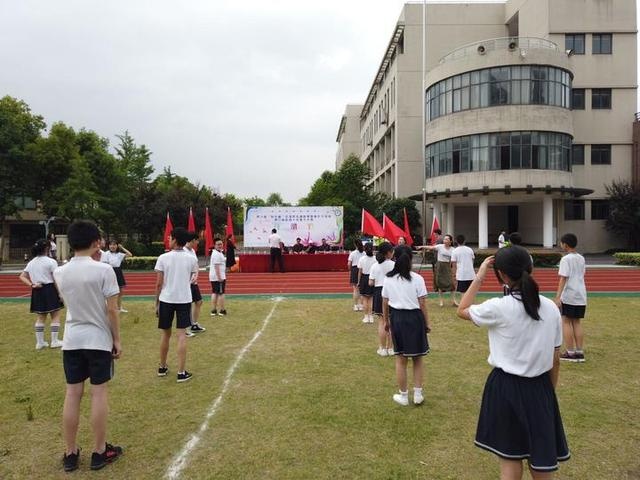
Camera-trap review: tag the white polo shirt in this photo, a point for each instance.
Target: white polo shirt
(354, 257)
(518, 344)
(444, 254)
(217, 258)
(40, 269)
(379, 272)
(112, 258)
(366, 262)
(402, 293)
(178, 267)
(463, 256)
(572, 266)
(275, 240)
(85, 285)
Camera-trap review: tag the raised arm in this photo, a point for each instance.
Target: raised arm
(126, 252)
(470, 295)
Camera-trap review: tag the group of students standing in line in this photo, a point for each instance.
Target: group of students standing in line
(519, 415)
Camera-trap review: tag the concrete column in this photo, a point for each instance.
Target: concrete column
(450, 224)
(63, 247)
(547, 222)
(483, 223)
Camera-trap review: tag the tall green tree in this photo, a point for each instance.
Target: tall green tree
(275, 200)
(134, 159)
(624, 212)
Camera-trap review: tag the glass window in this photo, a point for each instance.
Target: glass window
(464, 98)
(601, 99)
(600, 154)
(574, 42)
(601, 43)
(577, 154)
(599, 209)
(574, 209)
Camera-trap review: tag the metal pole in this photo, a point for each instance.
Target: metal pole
(424, 122)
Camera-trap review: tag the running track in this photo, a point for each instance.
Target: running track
(143, 283)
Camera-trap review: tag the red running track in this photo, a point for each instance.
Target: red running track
(143, 283)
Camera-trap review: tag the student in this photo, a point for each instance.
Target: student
(230, 253)
(571, 298)
(366, 292)
(196, 296)
(377, 275)
(53, 251)
(502, 239)
(114, 257)
(519, 416)
(218, 279)
(275, 250)
(38, 274)
(405, 313)
(175, 272)
(352, 263)
(91, 342)
(462, 267)
(443, 279)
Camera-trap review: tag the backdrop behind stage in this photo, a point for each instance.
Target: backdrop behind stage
(311, 224)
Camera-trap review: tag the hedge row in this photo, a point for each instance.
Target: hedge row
(630, 258)
(540, 259)
(142, 250)
(140, 263)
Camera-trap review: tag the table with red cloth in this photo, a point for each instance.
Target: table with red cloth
(303, 262)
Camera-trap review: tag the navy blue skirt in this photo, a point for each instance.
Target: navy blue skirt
(363, 286)
(377, 300)
(353, 275)
(45, 299)
(119, 276)
(408, 332)
(520, 419)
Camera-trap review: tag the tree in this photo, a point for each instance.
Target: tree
(134, 159)
(394, 209)
(275, 200)
(624, 212)
(255, 201)
(19, 129)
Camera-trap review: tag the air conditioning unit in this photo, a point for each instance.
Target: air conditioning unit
(481, 50)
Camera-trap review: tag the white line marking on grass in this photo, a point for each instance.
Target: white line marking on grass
(180, 461)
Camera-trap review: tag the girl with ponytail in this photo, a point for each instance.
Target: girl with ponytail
(525, 336)
(377, 276)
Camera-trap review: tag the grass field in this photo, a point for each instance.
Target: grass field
(311, 399)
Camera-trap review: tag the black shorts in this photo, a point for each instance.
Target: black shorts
(573, 311)
(166, 311)
(96, 365)
(353, 275)
(218, 287)
(377, 300)
(463, 285)
(363, 286)
(45, 299)
(119, 276)
(196, 296)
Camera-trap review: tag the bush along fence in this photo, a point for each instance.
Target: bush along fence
(628, 258)
(540, 259)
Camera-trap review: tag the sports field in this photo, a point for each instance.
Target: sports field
(308, 398)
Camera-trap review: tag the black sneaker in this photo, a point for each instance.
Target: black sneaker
(70, 461)
(222, 313)
(214, 312)
(196, 328)
(110, 454)
(579, 357)
(184, 376)
(162, 371)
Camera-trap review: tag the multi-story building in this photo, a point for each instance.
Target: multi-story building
(348, 138)
(528, 115)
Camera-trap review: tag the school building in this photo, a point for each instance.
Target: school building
(529, 112)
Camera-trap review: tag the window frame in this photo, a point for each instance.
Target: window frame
(573, 36)
(573, 206)
(601, 94)
(600, 149)
(603, 206)
(575, 91)
(578, 146)
(597, 37)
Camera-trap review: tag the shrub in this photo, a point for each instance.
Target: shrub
(143, 250)
(630, 258)
(540, 258)
(139, 263)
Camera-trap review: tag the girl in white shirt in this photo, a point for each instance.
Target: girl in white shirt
(519, 416)
(114, 257)
(352, 263)
(405, 314)
(38, 274)
(366, 292)
(377, 277)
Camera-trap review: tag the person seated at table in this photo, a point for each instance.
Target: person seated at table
(312, 248)
(298, 247)
(324, 246)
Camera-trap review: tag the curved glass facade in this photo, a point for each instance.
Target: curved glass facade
(509, 85)
(499, 151)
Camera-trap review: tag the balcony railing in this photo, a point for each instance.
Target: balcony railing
(504, 43)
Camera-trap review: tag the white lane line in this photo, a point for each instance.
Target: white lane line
(180, 461)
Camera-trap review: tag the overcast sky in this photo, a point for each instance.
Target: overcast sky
(241, 95)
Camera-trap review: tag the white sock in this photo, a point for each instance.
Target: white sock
(39, 333)
(55, 327)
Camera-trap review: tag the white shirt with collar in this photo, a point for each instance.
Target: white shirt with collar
(217, 258)
(40, 269)
(112, 258)
(378, 272)
(178, 268)
(275, 240)
(403, 294)
(463, 257)
(572, 266)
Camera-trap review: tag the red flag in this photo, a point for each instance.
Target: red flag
(435, 225)
(229, 229)
(208, 233)
(370, 225)
(391, 230)
(168, 228)
(407, 231)
(191, 227)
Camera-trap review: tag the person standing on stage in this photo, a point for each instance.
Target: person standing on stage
(275, 246)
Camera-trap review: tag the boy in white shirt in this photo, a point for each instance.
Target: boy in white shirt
(91, 342)
(218, 278)
(571, 298)
(175, 272)
(462, 267)
(192, 248)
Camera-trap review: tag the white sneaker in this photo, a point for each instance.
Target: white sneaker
(56, 344)
(40, 346)
(122, 310)
(365, 319)
(371, 319)
(189, 333)
(382, 352)
(390, 352)
(360, 308)
(418, 398)
(401, 399)
(355, 308)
